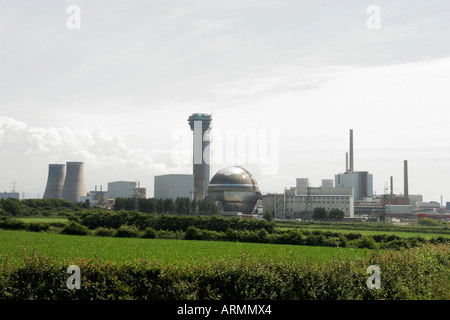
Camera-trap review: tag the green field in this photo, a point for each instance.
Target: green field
(44, 219)
(16, 244)
(425, 232)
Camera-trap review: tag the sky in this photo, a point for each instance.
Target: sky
(112, 83)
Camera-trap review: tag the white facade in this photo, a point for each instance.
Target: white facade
(295, 200)
(173, 186)
(124, 189)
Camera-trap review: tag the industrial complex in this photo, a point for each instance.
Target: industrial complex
(236, 192)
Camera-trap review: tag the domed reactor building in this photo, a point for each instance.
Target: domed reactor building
(234, 189)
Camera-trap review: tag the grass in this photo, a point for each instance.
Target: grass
(16, 244)
(43, 219)
(425, 232)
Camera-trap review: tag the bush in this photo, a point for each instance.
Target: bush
(427, 222)
(165, 234)
(104, 232)
(149, 233)
(192, 233)
(38, 226)
(415, 274)
(12, 224)
(366, 242)
(127, 232)
(74, 228)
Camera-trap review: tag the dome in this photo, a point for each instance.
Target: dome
(235, 188)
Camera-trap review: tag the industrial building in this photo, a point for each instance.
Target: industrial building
(300, 202)
(55, 181)
(125, 189)
(171, 186)
(200, 125)
(6, 195)
(234, 189)
(360, 181)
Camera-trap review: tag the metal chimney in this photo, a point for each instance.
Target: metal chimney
(346, 162)
(405, 175)
(392, 185)
(74, 182)
(55, 181)
(351, 150)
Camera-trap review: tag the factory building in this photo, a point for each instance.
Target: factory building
(6, 195)
(294, 202)
(125, 189)
(360, 181)
(302, 182)
(172, 186)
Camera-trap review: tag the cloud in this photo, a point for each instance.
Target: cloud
(27, 151)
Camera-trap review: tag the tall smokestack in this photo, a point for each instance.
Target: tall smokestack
(55, 181)
(346, 162)
(405, 175)
(392, 185)
(74, 182)
(200, 124)
(351, 150)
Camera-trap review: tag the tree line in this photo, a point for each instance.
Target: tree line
(181, 205)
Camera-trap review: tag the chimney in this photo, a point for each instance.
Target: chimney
(346, 162)
(351, 151)
(405, 175)
(392, 185)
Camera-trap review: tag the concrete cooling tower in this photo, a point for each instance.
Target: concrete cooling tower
(55, 181)
(74, 182)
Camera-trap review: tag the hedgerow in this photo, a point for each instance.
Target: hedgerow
(418, 273)
(129, 224)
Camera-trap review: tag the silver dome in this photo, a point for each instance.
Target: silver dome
(235, 188)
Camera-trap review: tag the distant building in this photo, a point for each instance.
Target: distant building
(294, 201)
(360, 181)
(327, 183)
(125, 189)
(6, 195)
(171, 186)
(302, 182)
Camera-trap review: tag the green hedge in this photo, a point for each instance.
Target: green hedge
(185, 227)
(419, 273)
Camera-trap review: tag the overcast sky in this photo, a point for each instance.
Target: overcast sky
(116, 93)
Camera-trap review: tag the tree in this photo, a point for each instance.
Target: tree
(169, 206)
(268, 216)
(319, 214)
(336, 215)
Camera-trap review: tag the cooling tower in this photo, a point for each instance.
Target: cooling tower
(74, 182)
(55, 181)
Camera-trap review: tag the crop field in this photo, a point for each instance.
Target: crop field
(16, 244)
(369, 229)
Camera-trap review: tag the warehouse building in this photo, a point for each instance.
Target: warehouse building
(294, 202)
(172, 186)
